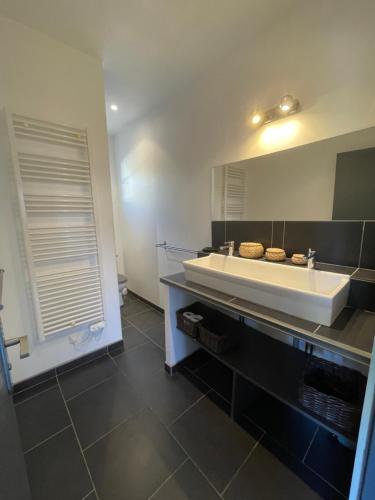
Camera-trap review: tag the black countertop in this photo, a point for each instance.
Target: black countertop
(351, 335)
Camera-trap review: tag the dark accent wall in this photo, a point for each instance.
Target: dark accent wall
(346, 243)
(355, 185)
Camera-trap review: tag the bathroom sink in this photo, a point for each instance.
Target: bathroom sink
(309, 294)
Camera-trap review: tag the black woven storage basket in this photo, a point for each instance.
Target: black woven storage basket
(187, 326)
(333, 392)
(219, 332)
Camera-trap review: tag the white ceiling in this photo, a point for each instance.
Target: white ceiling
(148, 47)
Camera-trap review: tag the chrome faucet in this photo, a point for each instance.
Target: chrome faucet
(228, 245)
(310, 257)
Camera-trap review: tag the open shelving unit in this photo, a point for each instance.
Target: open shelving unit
(272, 366)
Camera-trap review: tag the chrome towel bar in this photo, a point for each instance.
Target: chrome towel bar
(165, 246)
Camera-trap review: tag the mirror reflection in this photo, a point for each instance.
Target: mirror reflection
(333, 179)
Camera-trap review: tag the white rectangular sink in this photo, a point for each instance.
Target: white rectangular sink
(309, 294)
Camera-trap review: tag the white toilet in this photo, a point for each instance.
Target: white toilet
(122, 288)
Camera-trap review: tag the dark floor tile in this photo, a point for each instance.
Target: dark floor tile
(264, 477)
(222, 403)
(141, 362)
(186, 484)
(331, 460)
(56, 469)
(285, 425)
(133, 460)
(218, 376)
(307, 475)
(81, 361)
(146, 320)
(215, 443)
(249, 426)
(157, 334)
(168, 396)
(133, 306)
(85, 376)
(196, 381)
(133, 337)
(41, 416)
(197, 359)
(98, 410)
(91, 496)
(18, 397)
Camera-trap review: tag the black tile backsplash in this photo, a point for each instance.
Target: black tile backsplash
(336, 242)
(218, 233)
(368, 246)
(258, 231)
(362, 295)
(278, 234)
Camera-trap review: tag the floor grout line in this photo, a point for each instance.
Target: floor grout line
(140, 312)
(35, 395)
(202, 366)
(186, 410)
(212, 389)
(192, 460)
(145, 335)
(130, 349)
(88, 494)
(33, 386)
(310, 444)
(47, 439)
(85, 363)
(168, 478)
(325, 481)
(123, 421)
(89, 388)
(242, 465)
(78, 441)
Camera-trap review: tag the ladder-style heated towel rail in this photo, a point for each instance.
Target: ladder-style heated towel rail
(53, 178)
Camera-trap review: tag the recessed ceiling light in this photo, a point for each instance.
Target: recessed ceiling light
(114, 107)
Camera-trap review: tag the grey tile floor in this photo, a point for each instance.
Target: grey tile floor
(119, 428)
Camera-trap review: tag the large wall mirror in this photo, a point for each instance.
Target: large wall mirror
(333, 179)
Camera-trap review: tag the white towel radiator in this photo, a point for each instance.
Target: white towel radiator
(57, 211)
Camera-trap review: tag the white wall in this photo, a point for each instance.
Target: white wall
(322, 53)
(45, 79)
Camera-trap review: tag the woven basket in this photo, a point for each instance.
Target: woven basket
(185, 324)
(333, 392)
(299, 259)
(275, 254)
(251, 250)
(219, 333)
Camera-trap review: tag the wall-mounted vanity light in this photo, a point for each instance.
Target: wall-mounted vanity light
(288, 105)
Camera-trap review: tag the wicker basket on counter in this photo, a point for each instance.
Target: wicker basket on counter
(299, 259)
(275, 254)
(251, 250)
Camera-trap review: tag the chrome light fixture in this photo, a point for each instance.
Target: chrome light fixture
(288, 105)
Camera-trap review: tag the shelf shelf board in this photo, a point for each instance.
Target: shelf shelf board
(274, 367)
